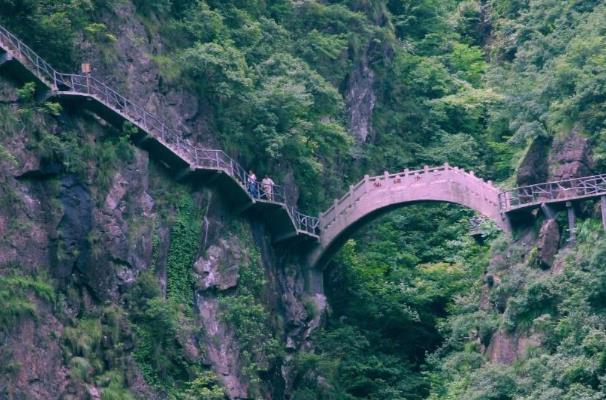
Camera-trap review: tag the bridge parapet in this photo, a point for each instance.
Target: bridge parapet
(376, 194)
(409, 179)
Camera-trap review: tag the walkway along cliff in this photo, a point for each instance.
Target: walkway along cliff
(323, 235)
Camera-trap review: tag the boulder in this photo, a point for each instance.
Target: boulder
(533, 168)
(548, 243)
(571, 157)
(220, 267)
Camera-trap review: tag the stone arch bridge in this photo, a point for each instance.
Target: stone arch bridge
(319, 236)
(375, 195)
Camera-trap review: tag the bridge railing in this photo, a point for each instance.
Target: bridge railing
(195, 156)
(306, 223)
(573, 188)
(342, 204)
(43, 70)
(129, 110)
(357, 191)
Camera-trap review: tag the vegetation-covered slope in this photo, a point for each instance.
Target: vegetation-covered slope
(541, 81)
(317, 94)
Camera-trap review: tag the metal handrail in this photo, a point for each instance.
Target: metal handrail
(196, 156)
(566, 189)
(42, 69)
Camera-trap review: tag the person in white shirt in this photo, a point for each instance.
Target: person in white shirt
(268, 187)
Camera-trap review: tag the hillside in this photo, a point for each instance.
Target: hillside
(124, 277)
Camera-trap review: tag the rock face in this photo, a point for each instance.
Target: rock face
(534, 167)
(219, 267)
(505, 348)
(548, 243)
(96, 240)
(571, 157)
(96, 243)
(33, 350)
(218, 270)
(361, 99)
(132, 69)
(71, 248)
(83, 227)
(128, 246)
(221, 350)
(567, 157)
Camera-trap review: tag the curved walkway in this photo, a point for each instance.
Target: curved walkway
(284, 219)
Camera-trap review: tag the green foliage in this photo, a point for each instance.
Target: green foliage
(550, 56)
(67, 149)
(5, 155)
(222, 70)
(246, 314)
(50, 27)
(468, 61)
(84, 339)
(94, 350)
(53, 108)
(269, 105)
(99, 32)
(465, 82)
(26, 93)
(205, 386)
(116, 392)
(161, 327)
(564, 311)
(156, 322)
(388, 292)
(15, 294)
(185, 237)
(156, 351)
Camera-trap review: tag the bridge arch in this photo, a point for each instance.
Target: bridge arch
(376, 195)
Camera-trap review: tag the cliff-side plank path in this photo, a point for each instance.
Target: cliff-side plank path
(370, 197)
